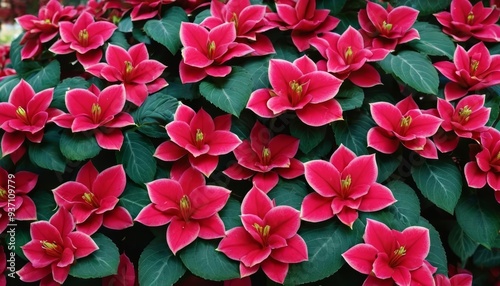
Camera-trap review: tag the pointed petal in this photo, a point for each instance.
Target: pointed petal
(321, 113)
(366, 76)
(361, 257)
(181, 233)
(323, 177)
(208, 200)
(83, 243)
(316, 208)
(211, 227)
(151, 216)
(256, 202)
(169, 151)
(110, 182)
(164, 190)
(382, 140)
(206, 164)
(63, 221)
(283, 220)
(222, 142)
(377, 198)
(237, 243)
(118, 218)
(275, 270)
(258, 103)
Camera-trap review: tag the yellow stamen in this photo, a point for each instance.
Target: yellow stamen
(51, 248)
(272, 93)
(83, 37)
(3, 193)
(386, 26)
(266, 156)
(498, 155)
(90, 199)
(47, 21)
(96, 112)
(128, 67)
(297, 90)
(470, 18)
(185, 206)
(474, 64)
(346, 183)
(21, 114)
(263, 232)
(199, 137)
(405, 121)
(348, 55)
(234, 19)
(211, 49)
(465, 113)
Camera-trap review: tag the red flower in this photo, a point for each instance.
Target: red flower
(146, 9)
(3, 266)
(462, 279)
(125, 275)
(21, 183)
(200, 137)
(5, 62)
(266, 159)
(390, 254)
(300, 87)
(191, 5)
(404, 123)
(343, 186)
(467, 120)
(189, 207)
(305, 21)
(140, 75)
(471, 70)
(249, 21)
(24, 116)
(267, 239)
(92, 199)
(53, 248)
(100, 111)
(205, 52)
(43, 28)
(85, 37)
(465, 21)
(486, 166)
(347, 57)
(387, 28)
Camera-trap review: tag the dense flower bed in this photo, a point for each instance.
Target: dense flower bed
(251, 142)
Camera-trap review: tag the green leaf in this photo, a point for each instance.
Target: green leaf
(6, 86)
(347, 19)
(201, 258)
(494, 103)
(47, 154)
(325, 244)
(440, 181)
(432, 41)
(181, 90)
(407, 207)
(334, 6)
(258, 70)
(156, 111)
(387, 164)
(22, 67)
(289, 193)
(486, 258)
(119, 39)
(414, 69)
(60, 90)
(437, 254)
(125, 25)
(461, 244)
(352, 132)
(45, 204)
(158, 265)
(134, 199)
(350, 96)
(479, 218)
(425, 7)
(45, 77)
(230, 214)
(230, 93)
(22, 236)
(100, 263)
(78, 146)
(167, 30)
(137, 157)
(201, 16)
(284, 49)
(309, 136)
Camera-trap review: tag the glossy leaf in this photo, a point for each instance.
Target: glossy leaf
(158, 265)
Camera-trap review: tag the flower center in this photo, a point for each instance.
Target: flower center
(297, 90)
(211, 49)
(22, 115)
(51, 248)
(199, 138)
(470, 18)
(396, 256)
(47, 21)
(498, 155)
(345, 185)
(128, 70)
(90, 199)
(266, 156)
(386, 27)
(96, 112)
(348, 55)
(234, 19)
(185, 206)
(83, 37)
(3, 193)
(263, 232)
(464, 113)
(474, 64)
(405, 123)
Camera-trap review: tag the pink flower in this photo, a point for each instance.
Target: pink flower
(266, 159)
(466, 120)
(248, 20)
(53, 248)
(85, 37)
(404, 123)
(100, 111)
(347, 57)
(305, 21)
(486, 166)
(3, 267)
(299, 87)
(465, 21)
(462, 279)
(387, 28)
(205, 53)
(92, 199)
(390, 254)
(125, 275)
(191, 5)
(5, 62)
(14, 189)
(140, 75)
(146, 9)
(200, 137)
(267, 239)
(342, 187)
(43, 28)
(24, 116)
(189, 207)
(471, 70)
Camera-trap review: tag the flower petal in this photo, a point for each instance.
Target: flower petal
(181, 233)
